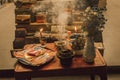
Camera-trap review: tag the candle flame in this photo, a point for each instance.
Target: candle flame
(41, 29)
(75, 29)
(41, 32)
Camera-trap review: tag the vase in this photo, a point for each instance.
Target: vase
(89, 50)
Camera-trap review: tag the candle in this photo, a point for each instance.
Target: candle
(75, 29)
(41, 32)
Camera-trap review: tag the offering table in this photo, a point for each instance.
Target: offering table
(54, 68)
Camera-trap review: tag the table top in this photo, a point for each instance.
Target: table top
(77, 63)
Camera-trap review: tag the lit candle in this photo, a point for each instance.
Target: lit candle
(41, 32)
(75, 29)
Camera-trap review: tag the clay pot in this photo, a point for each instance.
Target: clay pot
(65, 57)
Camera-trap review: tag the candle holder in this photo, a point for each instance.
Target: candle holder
(42, 41)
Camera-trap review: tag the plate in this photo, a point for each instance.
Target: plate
(35, 56)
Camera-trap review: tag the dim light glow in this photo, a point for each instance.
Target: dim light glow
(75, 29)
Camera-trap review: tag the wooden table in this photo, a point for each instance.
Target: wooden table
(54, 68)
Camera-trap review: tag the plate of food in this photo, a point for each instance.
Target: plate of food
(36, 55)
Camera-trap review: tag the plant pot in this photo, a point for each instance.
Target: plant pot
(66, 57)
(66, 61)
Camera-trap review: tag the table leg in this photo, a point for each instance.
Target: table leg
(92, 77)
(28, 78)
(103, 76)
